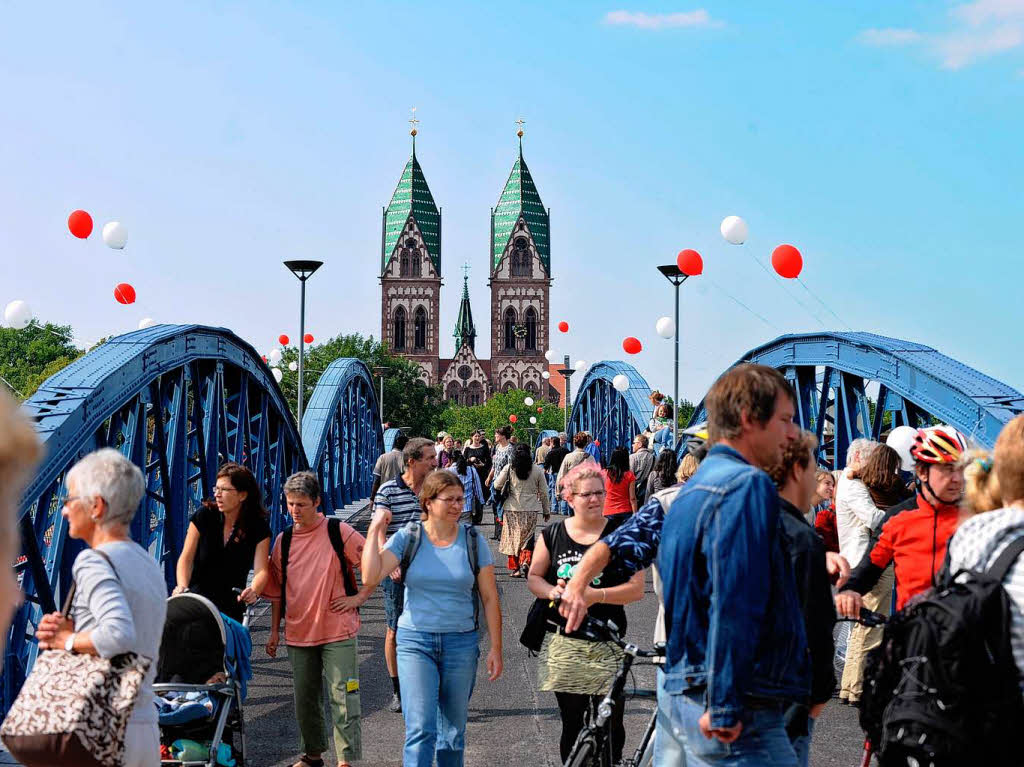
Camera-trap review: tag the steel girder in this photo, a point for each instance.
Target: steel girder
(178, 400)
(613, 418)
(341, 432)
(389, 438)
(829, 372)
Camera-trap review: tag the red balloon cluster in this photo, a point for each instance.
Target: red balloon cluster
(513, 418)
(787, 261)
(632, 345)
(308, 338)
(563, 326)
(282, 339)
(80, 224)
(124, 293)
(690, 263)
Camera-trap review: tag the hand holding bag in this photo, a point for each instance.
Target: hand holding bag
(73, 709)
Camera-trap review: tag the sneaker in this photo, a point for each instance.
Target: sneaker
(395, 707)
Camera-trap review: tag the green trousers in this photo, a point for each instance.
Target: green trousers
(338, 664)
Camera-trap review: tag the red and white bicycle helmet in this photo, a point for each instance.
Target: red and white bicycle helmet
(938, 444)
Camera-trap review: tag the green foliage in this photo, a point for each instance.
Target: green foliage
(685, 411)
(407, 401)
(31, 355)
(461, 420)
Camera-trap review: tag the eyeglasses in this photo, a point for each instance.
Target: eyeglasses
(457, 500)
(71, 498)
(587, 496)
(220, 490)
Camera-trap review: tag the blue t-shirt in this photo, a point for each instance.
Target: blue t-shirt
(439, 584)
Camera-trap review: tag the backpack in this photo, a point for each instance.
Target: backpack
(943, 688)
(415, 531)
(334, 533)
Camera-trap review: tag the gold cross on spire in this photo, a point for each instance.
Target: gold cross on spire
(413, 122)
(465, 270)
(520, 122)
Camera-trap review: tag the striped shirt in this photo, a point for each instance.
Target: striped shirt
(977, 544)
(398, 498)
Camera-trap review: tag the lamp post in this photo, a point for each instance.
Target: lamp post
(381, 370)
(303, 270)
(566, 373)
(676, 276)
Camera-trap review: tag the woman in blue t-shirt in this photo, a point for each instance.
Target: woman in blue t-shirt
(437, 634)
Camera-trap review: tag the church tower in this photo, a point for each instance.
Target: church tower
(410, 270)
(520, 282)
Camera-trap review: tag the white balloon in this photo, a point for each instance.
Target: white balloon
(734, 229)
(901, 439)
(581, 365)
(528, 401)
(533, 419)
(551, 355)
(147, 322)
(293, 366)
(666, 327)
(620, 382)
(278, 375)
(17, 314)
(115, 235)
(545, 375)
(274, 357)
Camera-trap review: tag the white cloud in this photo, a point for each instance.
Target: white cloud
(641, 20)
(982, 11)
(959, 50)
(889, 36)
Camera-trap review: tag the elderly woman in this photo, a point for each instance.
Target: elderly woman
(120, 597)
(444, 456)
(225, 540)
(527, 497)
(19, 450)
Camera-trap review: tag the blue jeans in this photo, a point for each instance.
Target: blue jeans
(437, 673)
(802, 745)
(394, 600)
(669, 741)
(763, 741)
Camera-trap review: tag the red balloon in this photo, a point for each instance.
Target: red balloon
(540, 410)
(563, 326)
(690, 263)
(264, 358)
(513, 418)
(308, 338)
(597, 442)
(124, 293)
(787, 261)
(80, 224)
(632, 345)
(282, 339)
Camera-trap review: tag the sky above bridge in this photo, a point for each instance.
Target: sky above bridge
(881, 138)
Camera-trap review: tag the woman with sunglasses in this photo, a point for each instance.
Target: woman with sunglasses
(225, 540)
(579, 671)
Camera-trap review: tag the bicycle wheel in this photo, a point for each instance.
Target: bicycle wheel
(644, 756)
(583, 753)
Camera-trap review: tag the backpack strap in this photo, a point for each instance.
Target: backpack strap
(415, 531)
(286, 545)
(1002, 565)
(347, 576)
(473, 553)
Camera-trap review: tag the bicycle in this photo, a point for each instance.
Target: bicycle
(593, 745)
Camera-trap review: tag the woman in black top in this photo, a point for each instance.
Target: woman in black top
(579, 671)
(478, 455)
(225, 540)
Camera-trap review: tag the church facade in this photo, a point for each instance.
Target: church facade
(519, 269)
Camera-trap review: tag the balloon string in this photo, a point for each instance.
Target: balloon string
(9, 386)
(778, 281)
(827, 307)
(85, 344)
(741, 304)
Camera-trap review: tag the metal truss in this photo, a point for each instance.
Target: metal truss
(613, 418)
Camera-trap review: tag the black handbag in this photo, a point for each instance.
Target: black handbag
(537, 624)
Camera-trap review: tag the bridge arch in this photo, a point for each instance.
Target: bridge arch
(612, 417)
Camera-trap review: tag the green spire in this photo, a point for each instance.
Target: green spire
(412, 197)
(520, 199)
(465, 332)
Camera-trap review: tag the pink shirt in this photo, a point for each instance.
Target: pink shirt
(314, 580)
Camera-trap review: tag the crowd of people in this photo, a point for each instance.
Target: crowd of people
(755, 549)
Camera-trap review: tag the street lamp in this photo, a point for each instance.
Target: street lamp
(381, 371)
(676, 276)
(303, 270)
(566, 373)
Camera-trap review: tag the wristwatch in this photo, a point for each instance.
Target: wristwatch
(69, 645)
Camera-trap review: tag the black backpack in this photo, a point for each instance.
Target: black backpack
(415, 531)
(334, 533)
(943, 687)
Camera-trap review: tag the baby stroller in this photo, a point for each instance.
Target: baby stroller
(201, 683)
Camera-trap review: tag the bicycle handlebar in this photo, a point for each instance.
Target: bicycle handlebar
(868, 618)
(606, 631)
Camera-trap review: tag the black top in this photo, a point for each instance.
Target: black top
(480, 459)
(565, 554)
(807, 553)
(554, 459)
(218, 568)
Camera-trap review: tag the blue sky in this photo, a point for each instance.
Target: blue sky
(881, 138)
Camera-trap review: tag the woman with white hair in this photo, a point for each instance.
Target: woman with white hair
(119, 604)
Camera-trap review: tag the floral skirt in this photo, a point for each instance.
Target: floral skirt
(573, 665)
(516, 531)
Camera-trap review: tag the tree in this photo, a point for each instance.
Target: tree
(462, 420)
(407, 401)
(31, 355)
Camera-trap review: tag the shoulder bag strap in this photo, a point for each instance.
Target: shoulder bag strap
(74, 586)
(415, 530)
(334, 533)
(1002, 565)
(286, 544)
(473, 553)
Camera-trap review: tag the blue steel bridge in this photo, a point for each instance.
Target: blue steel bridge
(179, 400)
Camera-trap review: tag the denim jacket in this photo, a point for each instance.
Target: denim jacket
(735, 630)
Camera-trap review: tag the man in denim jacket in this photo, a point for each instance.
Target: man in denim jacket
(737, 654)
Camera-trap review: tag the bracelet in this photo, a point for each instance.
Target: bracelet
(604, 595)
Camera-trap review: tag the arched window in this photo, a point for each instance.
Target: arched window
(476, 394)
(531, 387)
(417, 268)
(420, 330)
(404, 268)
(531, 329)
(398, 330)
(510, 328)
(453, 392)
(521, 257)
(509, 386)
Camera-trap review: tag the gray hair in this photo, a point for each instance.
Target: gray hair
(563, 437)
(859, 451)
(109, 475)
(303, 483)
(413, 450)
